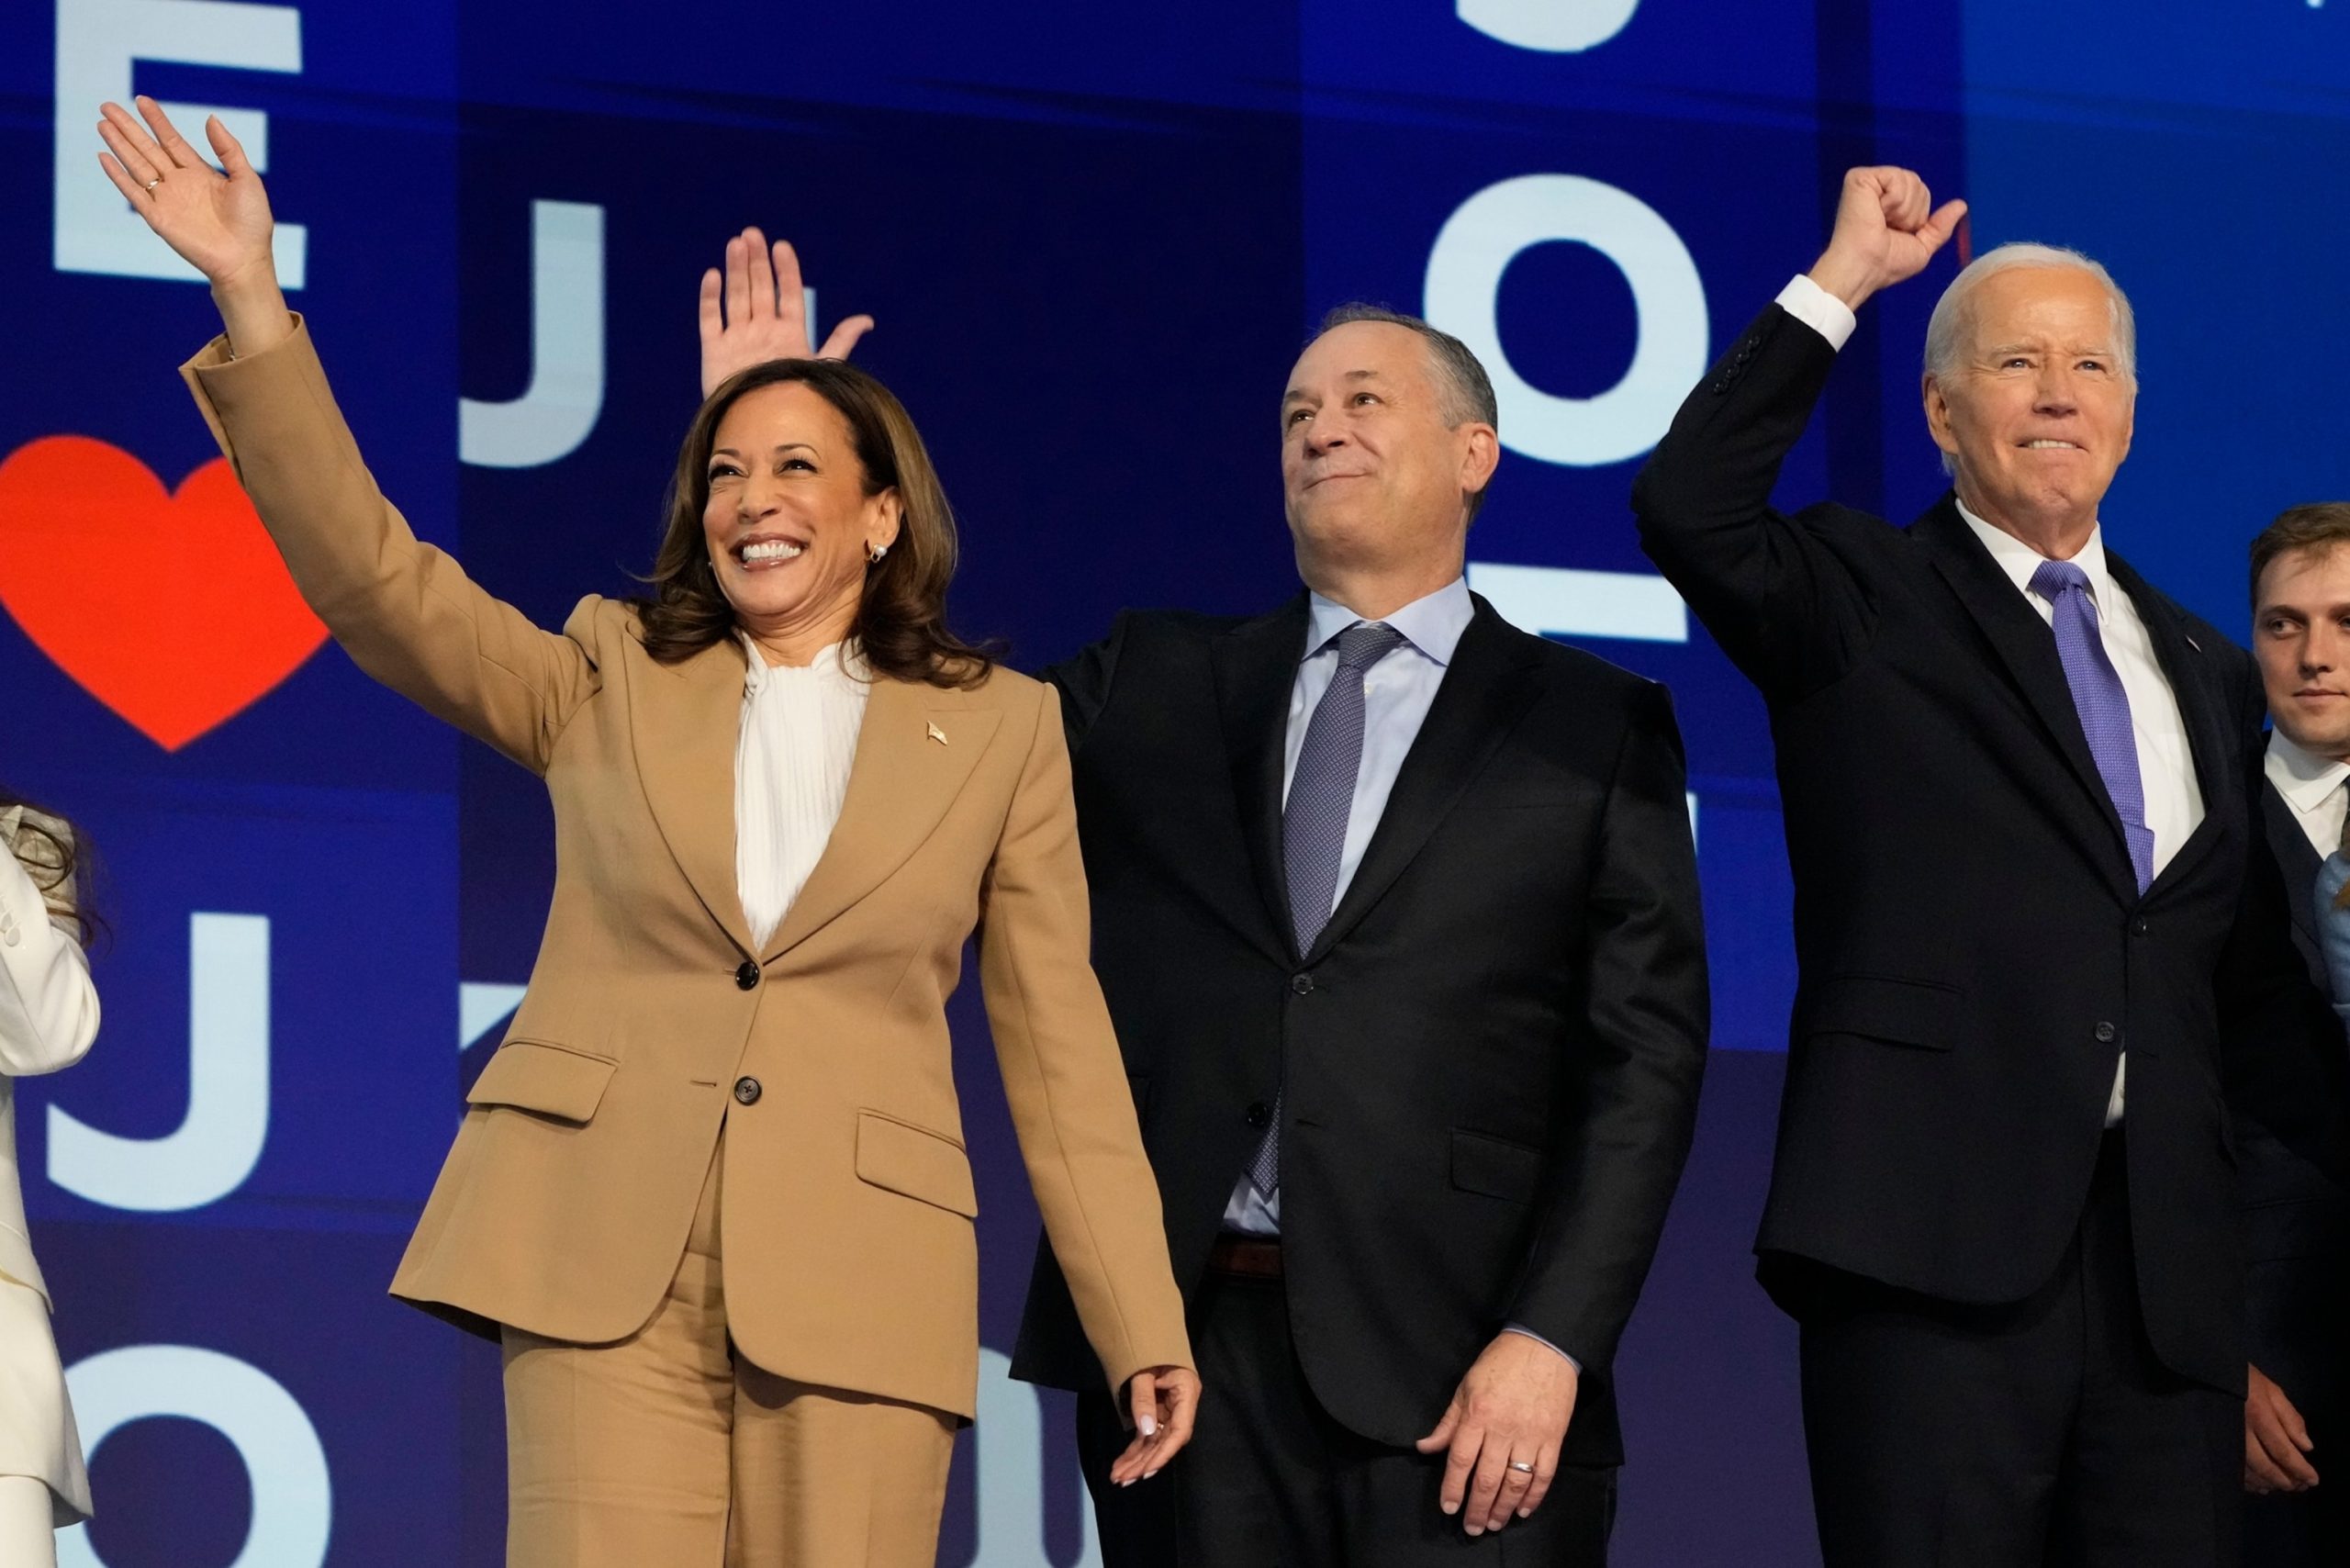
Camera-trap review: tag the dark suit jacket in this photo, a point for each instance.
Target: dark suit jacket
(2293, 1134)
(1973, 951)
(1493, 1051)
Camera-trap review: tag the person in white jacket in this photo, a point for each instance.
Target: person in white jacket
(49, 1015)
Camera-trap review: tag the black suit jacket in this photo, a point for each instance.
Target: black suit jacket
(1493, 1051)
(2292, 1124)
(1974, 953)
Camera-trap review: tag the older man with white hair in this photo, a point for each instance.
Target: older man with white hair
(2015, 787)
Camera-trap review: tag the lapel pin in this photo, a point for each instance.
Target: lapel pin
(2194, 644)
(936, 734)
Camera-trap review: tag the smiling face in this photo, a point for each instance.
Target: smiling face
(2036, 415)
(2300, 632)
(1374, 480)
(788, 522)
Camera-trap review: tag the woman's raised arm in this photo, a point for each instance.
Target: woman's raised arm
(404, 610)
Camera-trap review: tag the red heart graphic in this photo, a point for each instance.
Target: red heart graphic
(172, 610)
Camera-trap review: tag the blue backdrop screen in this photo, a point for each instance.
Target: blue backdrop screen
(1094, 237)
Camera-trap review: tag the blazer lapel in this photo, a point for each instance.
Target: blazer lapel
(1256, 669)
(2298, 861)
(2028, 650)
(915, 749)
(684, 720)
(2199, 710)
(1486, 690)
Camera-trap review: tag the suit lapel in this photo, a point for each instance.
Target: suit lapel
(1485, 690)
(2298, 859)
(1256, 669)
(684, 720)
(2027, 649)
(2199, 710)
(914, 750)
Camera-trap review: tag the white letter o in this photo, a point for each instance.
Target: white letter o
(1476, 246)
(293, 1501)
(1555, 26)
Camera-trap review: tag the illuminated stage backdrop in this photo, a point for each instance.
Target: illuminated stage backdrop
(1094, 237)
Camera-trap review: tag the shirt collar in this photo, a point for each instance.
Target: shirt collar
(2019, 560)
(834, 662)
(2301, 777)
(1432, 625)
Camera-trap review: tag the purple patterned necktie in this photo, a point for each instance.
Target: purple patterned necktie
(1314, 822)
(2103, 705)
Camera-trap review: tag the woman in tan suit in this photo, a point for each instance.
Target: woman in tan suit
(712, 1191)
(49, 1017)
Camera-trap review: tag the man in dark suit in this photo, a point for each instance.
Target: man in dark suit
(1396, 907)
(2293, 1146)
(2003, 1208)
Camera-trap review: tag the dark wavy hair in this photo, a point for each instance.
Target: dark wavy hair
(54, 854)
(902, 617)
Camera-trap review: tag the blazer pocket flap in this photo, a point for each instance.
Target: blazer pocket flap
(1495, 1166)
(1909, 1013)
(554, 1081)
(900, 1157)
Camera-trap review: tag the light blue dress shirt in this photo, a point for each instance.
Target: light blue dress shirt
(1396, 696)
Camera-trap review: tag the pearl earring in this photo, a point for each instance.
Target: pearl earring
(874, 553)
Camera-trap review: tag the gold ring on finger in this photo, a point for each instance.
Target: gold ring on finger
(1521, 1467)
(153, 182)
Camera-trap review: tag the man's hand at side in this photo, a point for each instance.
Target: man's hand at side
(1512, 1409)
(2275, 1439)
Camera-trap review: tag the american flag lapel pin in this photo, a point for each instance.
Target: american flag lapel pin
(936, 734)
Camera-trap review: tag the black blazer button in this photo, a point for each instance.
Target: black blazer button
(2140, 929)
(747, 976)
(1301, 985)
(2105, 1033)
(746, 1092)
(1259, 1114)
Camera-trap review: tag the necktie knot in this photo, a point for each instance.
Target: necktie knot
(2055, 578)
(1366, 643)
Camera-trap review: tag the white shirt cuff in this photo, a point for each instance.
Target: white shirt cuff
(1818, 310)
(1521, 1328)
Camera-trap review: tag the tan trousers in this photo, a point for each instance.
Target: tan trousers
(669, 1450)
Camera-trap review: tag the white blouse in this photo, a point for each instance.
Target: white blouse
(791, 766)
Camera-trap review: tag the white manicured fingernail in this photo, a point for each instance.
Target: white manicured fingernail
(1150, 1424)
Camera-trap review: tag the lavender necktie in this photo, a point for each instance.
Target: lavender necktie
(1314, 822)
(2103, 705)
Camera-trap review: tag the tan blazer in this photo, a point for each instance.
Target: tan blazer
(847, 1233)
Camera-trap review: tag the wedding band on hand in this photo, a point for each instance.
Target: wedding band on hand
(153, 182)
(1521, 1467)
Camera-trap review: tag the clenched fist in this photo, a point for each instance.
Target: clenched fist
(1887, 229)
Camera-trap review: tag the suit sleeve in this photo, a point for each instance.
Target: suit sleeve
(1648, 1015)
(1065, 1078)
(1083, 681)
(404, 610)
(49, 1009)
(1773, 591)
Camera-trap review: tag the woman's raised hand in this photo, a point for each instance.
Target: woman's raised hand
(219, 222)
(758, 312)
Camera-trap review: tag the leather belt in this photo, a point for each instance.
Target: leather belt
(1250, 1257)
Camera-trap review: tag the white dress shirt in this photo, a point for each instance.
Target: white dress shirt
(791, 764)
(2166, 761)
(2311, 785)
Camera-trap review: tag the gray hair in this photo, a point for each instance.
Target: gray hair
(1464, 391)
(1945, 333)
